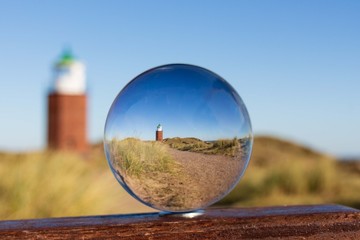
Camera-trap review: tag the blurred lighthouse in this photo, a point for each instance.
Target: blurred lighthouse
(67, 103)
(159, 133)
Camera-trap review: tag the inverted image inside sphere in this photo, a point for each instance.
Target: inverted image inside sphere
(178, 138)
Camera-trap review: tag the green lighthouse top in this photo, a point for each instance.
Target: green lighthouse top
(66, 59)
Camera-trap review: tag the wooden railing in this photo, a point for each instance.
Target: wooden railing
(299, 222)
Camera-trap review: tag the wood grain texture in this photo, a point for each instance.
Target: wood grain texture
(295, 222)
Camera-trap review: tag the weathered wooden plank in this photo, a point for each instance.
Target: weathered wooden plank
(295, 222)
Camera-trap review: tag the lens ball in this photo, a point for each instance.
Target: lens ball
(178, 138)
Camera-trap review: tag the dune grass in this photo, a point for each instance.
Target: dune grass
(227, 147)
(53, 184)
(135, 157)
(150, 171)
(283, 173)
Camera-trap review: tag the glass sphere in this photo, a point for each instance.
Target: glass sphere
(178, 138)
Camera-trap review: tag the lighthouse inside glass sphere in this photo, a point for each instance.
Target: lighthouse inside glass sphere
(159, 133)
(206, 148)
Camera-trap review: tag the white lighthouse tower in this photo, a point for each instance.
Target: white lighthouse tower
(69, 75)
(67, 103)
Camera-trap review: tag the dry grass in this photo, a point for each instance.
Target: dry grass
(50, 184)
(135, 157)
(227, 147)
(158, 175)
(150, 171)
(170, 179)
(284, 173)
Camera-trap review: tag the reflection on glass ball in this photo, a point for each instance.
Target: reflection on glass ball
(178, 138)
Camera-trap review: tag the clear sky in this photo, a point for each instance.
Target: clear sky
(296, 64)
(187, 100)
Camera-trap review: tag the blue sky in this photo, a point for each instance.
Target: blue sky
(296, 64)
(186, 100)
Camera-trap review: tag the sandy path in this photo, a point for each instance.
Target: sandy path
(208, 175)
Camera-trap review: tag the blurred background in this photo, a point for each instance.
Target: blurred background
(295, 65)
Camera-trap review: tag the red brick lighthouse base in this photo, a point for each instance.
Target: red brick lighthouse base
(67, 122)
